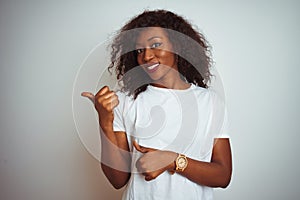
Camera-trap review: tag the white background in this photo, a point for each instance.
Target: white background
(43, 43)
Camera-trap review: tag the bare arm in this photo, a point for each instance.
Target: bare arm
(115, 156)
(216, 173)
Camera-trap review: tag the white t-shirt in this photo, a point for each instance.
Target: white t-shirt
(183, 121)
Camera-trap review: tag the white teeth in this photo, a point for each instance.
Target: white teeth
(152, 66)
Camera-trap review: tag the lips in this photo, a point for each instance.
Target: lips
(152, 67)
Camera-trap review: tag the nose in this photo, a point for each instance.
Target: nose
(148, 54)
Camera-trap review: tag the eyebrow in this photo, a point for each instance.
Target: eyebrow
(137, 44)
(154, 38)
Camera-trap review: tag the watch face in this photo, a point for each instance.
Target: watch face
(181, 162)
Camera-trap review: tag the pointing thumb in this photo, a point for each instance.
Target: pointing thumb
(89, 95)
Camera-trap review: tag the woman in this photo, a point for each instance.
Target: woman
(165, 134)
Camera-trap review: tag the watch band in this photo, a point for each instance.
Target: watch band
(181, 162)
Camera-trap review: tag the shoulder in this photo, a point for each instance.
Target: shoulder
(211, 92)
(209, 96)
(125, 100)
(201, 92)
(217, 97)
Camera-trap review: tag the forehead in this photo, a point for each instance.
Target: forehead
(147, 33)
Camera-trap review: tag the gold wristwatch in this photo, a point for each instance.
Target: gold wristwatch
(181, 162)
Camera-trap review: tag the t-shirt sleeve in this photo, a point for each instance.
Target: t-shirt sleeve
(118, 124)
(220, 125)
(224, 132)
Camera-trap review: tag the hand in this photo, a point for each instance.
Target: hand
(105, 101)
(154, 162)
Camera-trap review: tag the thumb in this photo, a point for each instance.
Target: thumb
(141, 148)
(89, 95)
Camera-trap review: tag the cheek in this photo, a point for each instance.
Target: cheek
(166, 56)
(139, 60)
(162, 53)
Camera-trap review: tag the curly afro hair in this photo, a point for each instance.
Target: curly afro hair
(191, 49)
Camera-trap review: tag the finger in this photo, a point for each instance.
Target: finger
(114, 101)
(110, 103)
(149, 178)
(108, 95)
(103, 90)
(145, 174)
(89, 95)
(141, 148)
(105, 99)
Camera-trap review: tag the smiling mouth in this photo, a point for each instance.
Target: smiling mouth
(152, 67)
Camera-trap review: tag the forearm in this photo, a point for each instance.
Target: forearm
(207, 173)
(115, 158)
(217, 172)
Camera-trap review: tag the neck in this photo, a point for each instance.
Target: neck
(174, 83)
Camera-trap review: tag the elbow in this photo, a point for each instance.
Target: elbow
(117, 179)
(118, 186)
(220, 182)
(224, 183)
(226, 177)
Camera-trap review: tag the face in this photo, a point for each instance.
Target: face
(154, 54)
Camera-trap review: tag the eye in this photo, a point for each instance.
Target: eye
(139, 51)
(156, 44)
